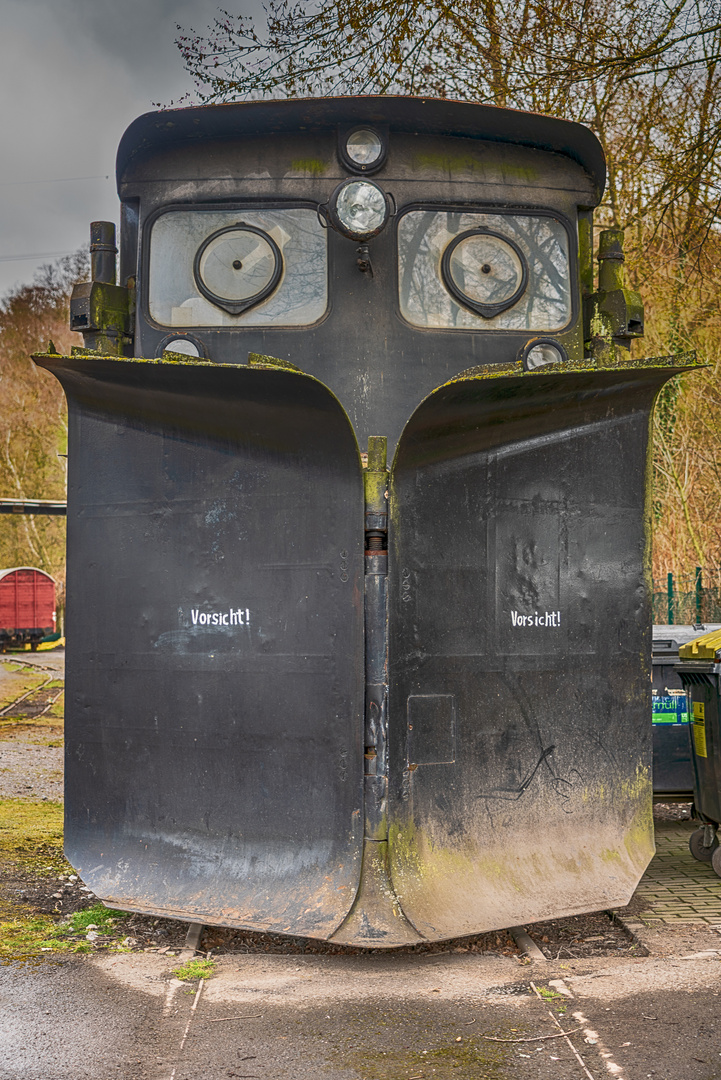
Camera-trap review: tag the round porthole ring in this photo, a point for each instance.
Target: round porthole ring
(487, 311)
(533, 344)
(237, 307)
(180, 336)
(354, 166)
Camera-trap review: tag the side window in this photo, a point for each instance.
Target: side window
(237, 268)
(477, 271)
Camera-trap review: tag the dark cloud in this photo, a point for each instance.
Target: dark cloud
(138, 33)
(73, 76)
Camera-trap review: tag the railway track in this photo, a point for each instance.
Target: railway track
(34, 703)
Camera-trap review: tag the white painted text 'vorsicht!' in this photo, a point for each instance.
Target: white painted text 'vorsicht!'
(232, 617)
(538, 618)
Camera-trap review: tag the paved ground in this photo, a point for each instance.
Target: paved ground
(443, 1016)
(361, 1018)
(676, 888)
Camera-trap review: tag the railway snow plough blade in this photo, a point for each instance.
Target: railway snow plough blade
(519, 655)
(257, 738)
(307, 694)
(215, 643)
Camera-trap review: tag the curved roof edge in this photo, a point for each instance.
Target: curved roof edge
(35, 569)
(432, 116)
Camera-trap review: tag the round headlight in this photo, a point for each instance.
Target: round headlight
(186, 345)
(358, 209)
(363, 150)
(541, 352)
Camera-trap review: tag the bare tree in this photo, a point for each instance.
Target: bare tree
(644, 75)
(33, 424)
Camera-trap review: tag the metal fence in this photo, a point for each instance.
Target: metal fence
(688, 599)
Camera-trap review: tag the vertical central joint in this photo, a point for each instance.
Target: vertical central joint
(376, 639)
(375, 479)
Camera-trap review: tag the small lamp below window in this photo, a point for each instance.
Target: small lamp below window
(540, 352)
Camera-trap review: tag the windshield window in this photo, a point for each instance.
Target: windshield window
(483, 271)
(238, 268)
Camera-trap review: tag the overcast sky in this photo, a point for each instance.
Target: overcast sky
(73, 75)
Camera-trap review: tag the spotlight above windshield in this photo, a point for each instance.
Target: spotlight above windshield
(358, 209)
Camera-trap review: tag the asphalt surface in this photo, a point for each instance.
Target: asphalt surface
(360, 1018)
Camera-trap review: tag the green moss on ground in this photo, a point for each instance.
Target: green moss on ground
(467, 1060)
(31, 835)
(31, 847)
(195, 969)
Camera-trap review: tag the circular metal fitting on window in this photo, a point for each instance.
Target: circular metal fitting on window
(237, 267)
(540, 352)
(362, 150)
(484, 271)
(358, 209)
(186, 344)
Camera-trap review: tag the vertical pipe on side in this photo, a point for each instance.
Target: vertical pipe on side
(102, 252)
(669, 591)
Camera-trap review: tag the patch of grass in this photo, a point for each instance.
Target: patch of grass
(31, 838)
(22, 937)
(553, 998)
(195, 969)
(11, 726)
(28, 936)
(56, 712)
(31, 835)
(97, 915)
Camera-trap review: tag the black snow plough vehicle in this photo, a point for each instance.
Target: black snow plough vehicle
(358, 619)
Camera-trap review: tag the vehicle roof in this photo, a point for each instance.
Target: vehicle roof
(429, 116)
(14, 570)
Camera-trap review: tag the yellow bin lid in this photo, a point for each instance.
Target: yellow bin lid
(705, 647)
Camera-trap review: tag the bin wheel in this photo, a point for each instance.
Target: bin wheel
(697, 849)
(716, 860)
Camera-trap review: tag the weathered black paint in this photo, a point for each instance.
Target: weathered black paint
(450, 155)
(214, 771)
(520, 742)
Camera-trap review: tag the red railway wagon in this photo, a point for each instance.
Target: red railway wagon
(27, 606)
